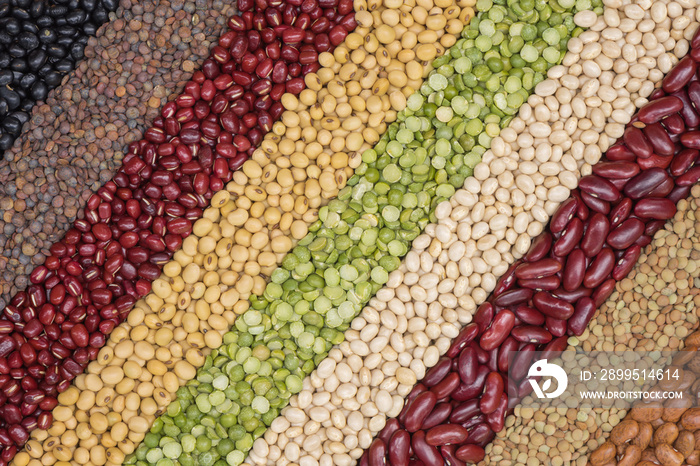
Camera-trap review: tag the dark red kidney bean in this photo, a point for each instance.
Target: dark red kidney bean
(690, 177)
(513, 297)
(574, 271)
(620, 212)
(551, 306)
(616, 170)
(678, 193)
(399, 448)
(659, 139)
(418, 410)
(603, 292)
(467, 392)
(563, 215)
(584, 310)
(506, 281)
(572, 296)
(625, 234)
(438, 416)
(557, 327)
(417, 390)
(599, 188)
(468, 365)
(690, 116)
(683, 161)
(620, 153)
(470, 453)
(493, 389)
(582, 211)
(391, 426)
(464, 411)
(691, 139)
(531, 334)
(547, 283)
(542, 268)
(446, 434)
(377, 453)
(466, 335)
(506, 353)
(600, 268)
(595, 235)
(595, 204)
(529, 315)
(501, 326)
(674, 124)
(679, 75)
(655, 208)
(637, 142)
(655, 161)
(522, 361)
(496, 419)
(663, 189)
(554, 348)
(480, 434)
(626, 263)
(539, 248)
(448, 385)
(438, 372)
(645, 182)
(484, 315)
(569, 239)
(660, 108)
(428, 454)
(449, 453)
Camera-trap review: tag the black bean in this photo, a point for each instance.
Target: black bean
(6, 141)
(28, 80)
(56, 51)
(110, 5)
(76, 17)
(3, 108)
(53, 79)
(23, 117)
(5, 77)
(89, 29)
(20, 13)
(4, 9)
(23, 3)
(10, 96)
(47, 36)
(26, 105)
(65, 65)
(30, 27)
(5, 38)
(37, 9)
(36, 59)
(18, 64)
(12, 125)
(58, 11)
(12, 26)
(4, 60)
(16, 50)
(65, 42)
(28, 41)
(66, 31)
(76, 51)
(44, 21)
(39, 90)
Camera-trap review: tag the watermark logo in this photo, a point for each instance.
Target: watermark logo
(542, 368)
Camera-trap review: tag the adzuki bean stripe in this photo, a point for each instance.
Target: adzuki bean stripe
(592, 241)
(135, 223)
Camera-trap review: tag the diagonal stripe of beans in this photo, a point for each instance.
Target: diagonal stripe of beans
(592, 241)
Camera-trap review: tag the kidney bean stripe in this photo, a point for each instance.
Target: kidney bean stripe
(135, 223)
(593, 240)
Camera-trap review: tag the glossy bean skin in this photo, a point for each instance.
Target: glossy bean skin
(446, 434)
(655, 208)
(439, 414)
(468, 365)
(563, 215)
(583, 313)
(541, 268)
(637, 142)
(659, 139)
(594, 237)
(428, 454)
(551, 306)
(621, 212)
(493, 389)
(539, 248)
(570, 238)
(660, 108)
(438, 372)
(600, 268)
(625, 234)
(575, 270)
(377, 453)
(642, 184)
(418, 410)
(399, 448)
(599, 187)
(679, 76)
(466, 335)
(502, 324)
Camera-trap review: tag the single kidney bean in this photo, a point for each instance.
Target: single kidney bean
(531, 334)
(506, 354)
(679, 75)
(599, 188)
(465, 410)
(484, 316)
(506, 281)
(418, 410)
(563, 215)
(493, 389)
(539, 248)
(468, 391)
(502, 324)
(529, 315)
(583, 313)
(428, 454)
(513, 297)
(594, 203)
(448, 385)
(655, 208)
(625, 264)
(616, 170)
(643, 183)
(620, 212)
(468, 365)
(399, 448)
(497, 418)
(377, 453)
(439, 414)
(470, 453)
(600, 268)
(542, 268)
(446, 434)
(659, 139)
(437, 373)
(569, 238)
(658, 109)
(637, 142)
(392, 425)
(466, 335)
(551, 306)
(625, 234)
(574, 271)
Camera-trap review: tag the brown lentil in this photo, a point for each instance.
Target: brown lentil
(75, 141)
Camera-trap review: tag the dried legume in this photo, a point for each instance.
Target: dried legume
(148, 209)
(40, 42)
(75, 141)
